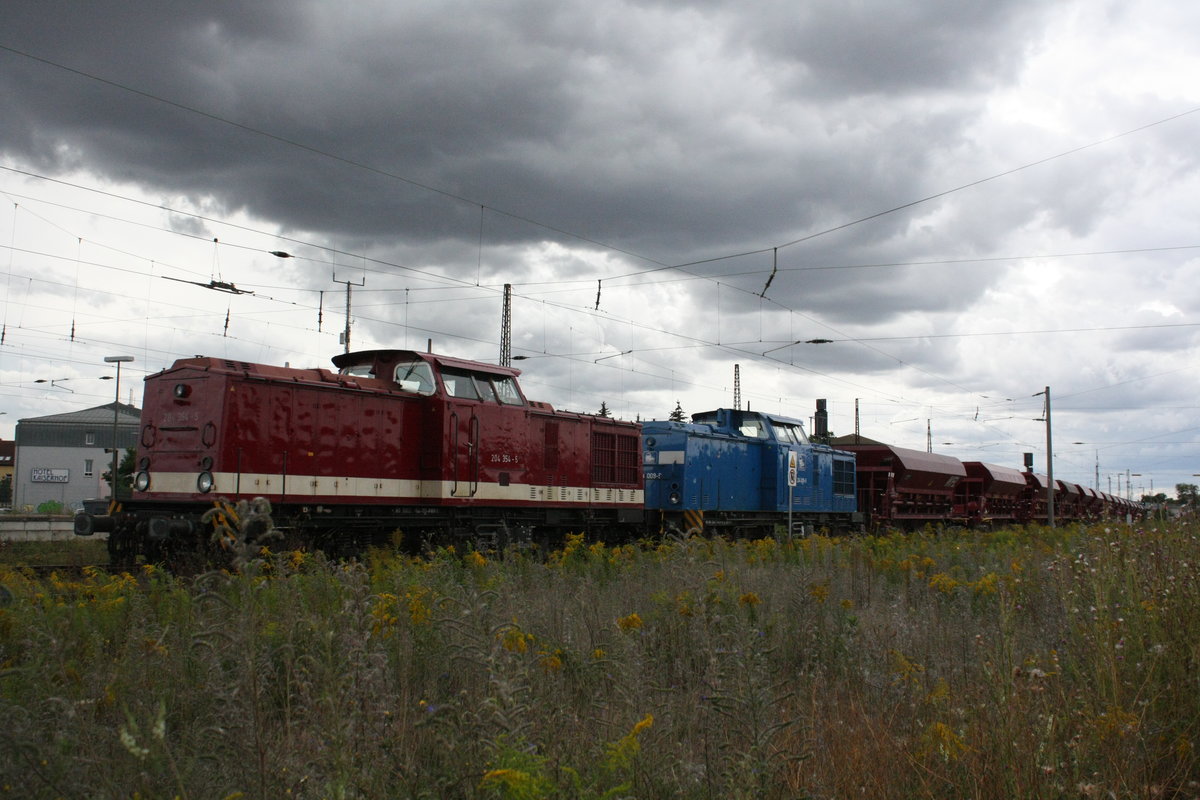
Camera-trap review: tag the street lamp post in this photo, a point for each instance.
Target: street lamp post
(112, 482)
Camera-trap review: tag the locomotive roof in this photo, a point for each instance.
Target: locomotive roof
(343, 359)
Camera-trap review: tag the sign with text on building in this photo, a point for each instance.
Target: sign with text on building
(50, 475)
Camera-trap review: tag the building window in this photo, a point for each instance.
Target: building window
(87, 467)
(89, 438)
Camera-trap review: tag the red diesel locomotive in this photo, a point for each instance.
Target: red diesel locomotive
(434, 447)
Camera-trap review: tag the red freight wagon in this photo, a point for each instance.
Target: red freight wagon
(1068, 502)
(989, 495)
(393, 440)
(1034, 500)
(1092, 504)
(904, 488)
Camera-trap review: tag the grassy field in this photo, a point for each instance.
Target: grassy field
(1018, 664)
(61, 552)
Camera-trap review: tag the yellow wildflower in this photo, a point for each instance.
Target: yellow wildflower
(819, 591)
(940, 739)
(550, 661)
(514, 640)
(988, 584)
(943, 583)
(642, 724)
(631, 622)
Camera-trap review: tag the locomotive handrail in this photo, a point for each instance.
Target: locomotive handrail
(454, 451)
(473, 447)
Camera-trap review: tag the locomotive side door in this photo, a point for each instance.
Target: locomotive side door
(464, 444)
(462, 399)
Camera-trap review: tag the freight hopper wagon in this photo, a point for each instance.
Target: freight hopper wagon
(393, 442)
(739, 473)
(905, 489)
(1034, 500)
(989, 495)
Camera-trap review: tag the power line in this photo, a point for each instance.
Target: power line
(1100, 329)
(463, 199)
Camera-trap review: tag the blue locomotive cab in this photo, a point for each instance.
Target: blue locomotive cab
(741, 472)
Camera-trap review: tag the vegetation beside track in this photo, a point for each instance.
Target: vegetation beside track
(1032, 663)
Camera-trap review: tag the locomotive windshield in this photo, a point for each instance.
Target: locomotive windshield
(506, 389)
(481, 386)
(789, 433)
(415, 376)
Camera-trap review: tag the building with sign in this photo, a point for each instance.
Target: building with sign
(61, 459)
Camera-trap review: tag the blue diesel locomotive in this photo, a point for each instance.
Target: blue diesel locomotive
(743, 473)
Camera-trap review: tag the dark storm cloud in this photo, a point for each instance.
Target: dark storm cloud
(840, 48)
(673, 131)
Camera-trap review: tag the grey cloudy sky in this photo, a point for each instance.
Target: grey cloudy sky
(677, 153)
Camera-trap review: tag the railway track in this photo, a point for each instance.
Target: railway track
(73, 570)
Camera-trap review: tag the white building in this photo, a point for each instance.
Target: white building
(62, 457)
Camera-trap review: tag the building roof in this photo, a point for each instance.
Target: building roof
(851, 438)
(126, 414)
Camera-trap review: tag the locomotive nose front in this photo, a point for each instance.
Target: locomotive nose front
(177, 448)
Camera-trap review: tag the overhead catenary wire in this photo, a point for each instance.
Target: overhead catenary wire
(897, 208)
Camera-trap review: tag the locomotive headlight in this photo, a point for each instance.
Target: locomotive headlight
(141, 481)
(204, 482)
(674, 498)
(182, 390)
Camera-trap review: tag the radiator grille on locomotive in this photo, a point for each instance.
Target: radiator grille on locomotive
(615, 458)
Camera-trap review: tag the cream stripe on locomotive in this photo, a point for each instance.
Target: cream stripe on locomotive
(300, 486)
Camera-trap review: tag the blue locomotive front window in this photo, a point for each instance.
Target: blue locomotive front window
(788, 433)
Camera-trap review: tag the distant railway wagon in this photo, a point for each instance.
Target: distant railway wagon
(1092, 504)
(1034, 503)
(906, 489)
(988, 495)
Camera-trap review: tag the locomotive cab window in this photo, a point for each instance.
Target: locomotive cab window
(506, 390)
(789, 433)
(484, 387)
(460, 384)
(415, 376)
(358, 370)
(753, 428)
